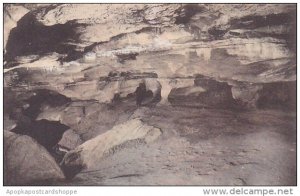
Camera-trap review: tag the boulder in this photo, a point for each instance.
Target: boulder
(89, 154)
(26, 162)
(70, 140)
(87, 118)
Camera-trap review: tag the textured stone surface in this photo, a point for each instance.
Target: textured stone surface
(220, 79)
(26, 162)
(92, 151)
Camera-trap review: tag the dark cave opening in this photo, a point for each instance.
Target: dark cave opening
(24, 109)
(278, 95)
(187, 12)
(47, 133)
(32, 37)
(44, 97)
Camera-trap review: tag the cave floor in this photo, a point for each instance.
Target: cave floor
(204, 147)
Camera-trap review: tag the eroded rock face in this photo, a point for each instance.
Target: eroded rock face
(89, 118)
(135, 29)
(162, 45)
(27, 162)
(90, 153)
(67, 68)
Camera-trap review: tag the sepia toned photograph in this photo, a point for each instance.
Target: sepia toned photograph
(149, 94)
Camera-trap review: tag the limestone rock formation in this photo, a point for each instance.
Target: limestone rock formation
(218, 41)
(72, 74)
(90, 153)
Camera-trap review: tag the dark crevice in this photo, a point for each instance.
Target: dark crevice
(278, 95)
(187, 12)
(73, 55)
(127, 176)
(217, 33)
(253, 22)
(216, 95)
(25, 108)
(32, 37)
(146, 97)
(47, 133)
(44, 97)
(125, 57)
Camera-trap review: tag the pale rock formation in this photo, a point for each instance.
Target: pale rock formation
(89, 154)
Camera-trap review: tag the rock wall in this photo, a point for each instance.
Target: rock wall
(76, 68)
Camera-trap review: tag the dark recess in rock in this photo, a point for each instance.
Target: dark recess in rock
(278, 95)
(217, 33)
(31, 37)
(116, 75)
(75, 55)
(47, 133)
(187, 12)
(25, 107)
(221, 54)
(44, 97)
(71, 165)
(216, 95)
(253, 22)
(124, 57)
(292, 35)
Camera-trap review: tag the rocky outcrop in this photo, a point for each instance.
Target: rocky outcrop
(164, 46)
(89, 154)
(27, 162)
(76, 80)
(89, 118)
(113, 20)
(159, 44)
